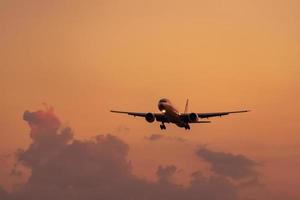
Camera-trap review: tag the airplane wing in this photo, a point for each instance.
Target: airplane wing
(200, 122)
(158, 116)
(219, 114)
(135, 114)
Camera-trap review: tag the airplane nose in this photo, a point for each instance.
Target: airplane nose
(161, 106)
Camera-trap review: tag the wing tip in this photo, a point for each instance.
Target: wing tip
(241, 111)
(115, 111)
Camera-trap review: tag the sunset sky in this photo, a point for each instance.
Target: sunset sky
(85, 58)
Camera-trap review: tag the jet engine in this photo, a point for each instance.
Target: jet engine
(193, 117)
(150, 117)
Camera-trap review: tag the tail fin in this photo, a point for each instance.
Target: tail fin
(186, 106)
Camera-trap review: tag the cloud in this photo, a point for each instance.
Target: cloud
(157, 137)
(213, 187)
(3, 194)
(230, 165)
(63, 168)
(154, 137)
(165, 173)
(15, 172)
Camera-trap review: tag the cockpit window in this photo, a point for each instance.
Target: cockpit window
(164, 100)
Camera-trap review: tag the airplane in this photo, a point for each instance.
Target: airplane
(169, 114)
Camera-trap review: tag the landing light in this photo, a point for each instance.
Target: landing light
(164, 111)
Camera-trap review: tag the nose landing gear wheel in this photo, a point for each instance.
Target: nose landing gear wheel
(162, 127)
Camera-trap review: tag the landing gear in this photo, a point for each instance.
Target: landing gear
(162, 127)
(187, 127)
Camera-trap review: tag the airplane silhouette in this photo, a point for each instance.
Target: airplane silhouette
(169, 114)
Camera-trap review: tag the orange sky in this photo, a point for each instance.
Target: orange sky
(85, 58)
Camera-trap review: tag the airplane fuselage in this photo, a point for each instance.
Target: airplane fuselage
(171, 113)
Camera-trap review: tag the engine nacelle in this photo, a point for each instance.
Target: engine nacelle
(193, 117)
(150, 117)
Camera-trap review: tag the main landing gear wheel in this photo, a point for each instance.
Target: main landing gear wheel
(187, 127)
(162, 127)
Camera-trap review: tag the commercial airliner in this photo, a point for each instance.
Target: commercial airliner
(169, 114)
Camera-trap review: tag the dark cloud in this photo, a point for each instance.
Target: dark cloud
(213, 187)
(63, 168)
(156, 137)
(166, 173)
(3, 194)
(227, 164)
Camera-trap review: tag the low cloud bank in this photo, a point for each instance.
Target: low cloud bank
(63, 168)
(227, 164)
